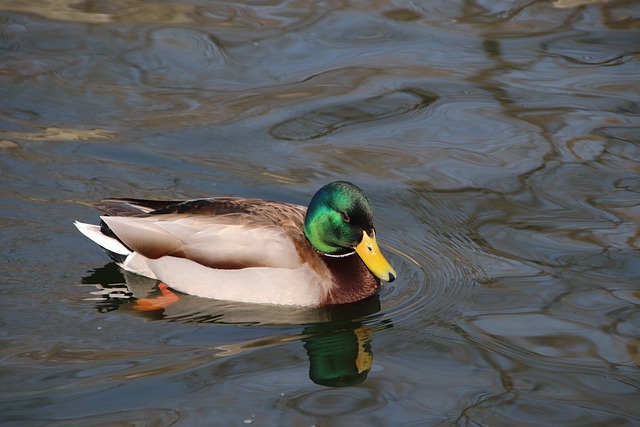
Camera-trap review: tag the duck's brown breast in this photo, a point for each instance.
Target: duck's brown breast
(352, 280)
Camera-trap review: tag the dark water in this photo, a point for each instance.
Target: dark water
(498, 140)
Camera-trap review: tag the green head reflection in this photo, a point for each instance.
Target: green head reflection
(339, 357)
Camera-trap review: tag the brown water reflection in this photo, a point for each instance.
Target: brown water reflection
(498, 142)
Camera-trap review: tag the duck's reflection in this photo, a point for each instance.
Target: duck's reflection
(337, 341)
(339, 356)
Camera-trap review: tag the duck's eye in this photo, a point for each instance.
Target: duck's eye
(345, 217)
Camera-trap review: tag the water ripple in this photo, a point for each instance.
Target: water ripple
(332, 402)
(172, 57)
(329, 119)
(346, 29)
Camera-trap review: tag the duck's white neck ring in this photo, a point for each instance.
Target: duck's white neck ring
(330, 255)
(337, 256)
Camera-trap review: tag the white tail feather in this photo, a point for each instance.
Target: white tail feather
(109, 243)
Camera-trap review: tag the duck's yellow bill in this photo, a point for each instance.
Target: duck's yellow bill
(370, 253)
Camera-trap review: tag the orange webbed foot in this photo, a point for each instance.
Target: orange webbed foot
(157, 303)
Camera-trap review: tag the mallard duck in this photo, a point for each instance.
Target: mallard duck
(250, 250)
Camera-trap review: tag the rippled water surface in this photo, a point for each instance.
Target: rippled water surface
(498, 141)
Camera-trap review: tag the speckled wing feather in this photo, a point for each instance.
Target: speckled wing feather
(224, 233)
(132, 207)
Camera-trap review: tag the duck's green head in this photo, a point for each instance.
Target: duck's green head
(339, 221)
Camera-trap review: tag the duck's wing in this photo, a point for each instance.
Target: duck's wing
(132, 207)
(222, 233)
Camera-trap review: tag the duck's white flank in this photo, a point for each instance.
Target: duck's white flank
(266, 285)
